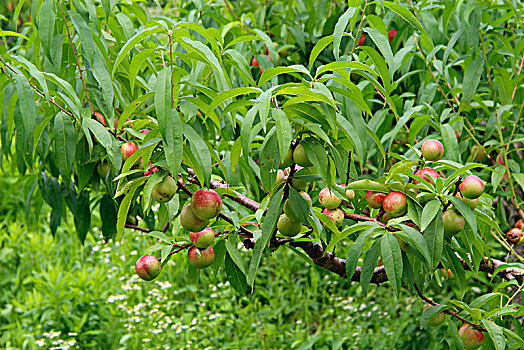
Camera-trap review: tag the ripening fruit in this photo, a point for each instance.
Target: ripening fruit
(350, 194)
(300, 156)
(203, 239)
(201, 258)
(102, 169)
(478, 154)
(288, 209)
(395, 204)
(519, 224)
(427, 174)
(144, 131)
(254, 62)
(472, 203)
(450, 273)
(471, 338)
(100, 118)
(288, 227)
(151, 170)
(206, 204)
(148, 267)
(472, 187)
(288, 159)
(127, 150)
(432, 150)
(165, 190)
(385, 218)
(190, 222)
(391, 34)
(453, 222)
(514, 235)
(375, 199)
(437, 319)
(336, 215)
(329, 199)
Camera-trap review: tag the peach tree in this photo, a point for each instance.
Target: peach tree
(381, 141)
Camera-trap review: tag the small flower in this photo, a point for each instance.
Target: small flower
(40, 342)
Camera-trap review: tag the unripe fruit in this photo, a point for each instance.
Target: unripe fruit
(203, 239)
(127, 150)
(288, 227)
(450, 273)
(453, 222)
(148, 267)
(350, 194)
(165, 190)
(519, 224)
(296, 182)
(428, 174)
(472, 203)
(300, 156)
(471, 338)
(432, 150)
(206, 204)
(478, 154)
(472, 187)
(288, 209)
(329, 199)
(375, 199)
(100, 118)
(395, 204)
(336, 215)
(288, 159)
(102, 169)
(131, 220)
(514, 235)
(437, 319)
(201, 258)
(190, 222)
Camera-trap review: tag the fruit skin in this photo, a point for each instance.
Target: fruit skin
(127, 150)
(375, 199)
(514, 235)
(395, 204)
(190, 222)
(519, 224)
(472, 187)
(165, 190)
(288, 227)
(472, 203)
(450, 273)
(203, 239)
(148, 267)
(427, 174)
(329, 199)
(385, 218)
(350, 194)
(362, 39)
(471, 338)
(336, 215)
(102, 169)
(453, 222)
(437, 319)
(288, 159)
(151, 170)
(206, 204)
(100, 118)
(391, 34)
(254, 62)
(432, 150)
(478, 154)
(144, 131)
(300, 156)
(288, 210)
(202, 260)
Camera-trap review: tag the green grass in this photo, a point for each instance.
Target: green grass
(56, 292)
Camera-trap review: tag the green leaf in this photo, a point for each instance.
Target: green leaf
(471, 80)
(367, 185)
(383, 45)
(123, 209)
(132, 42)
(334, 66)
(430, 312)
(434, 235)
(284, 131)
(407, 15)
(160, 235)
(225, 95)
(318, 48)
(428, 214)
(361, 226)
(340, 27)
(369, 265)
(450, 142)
(268, 227)
(65, 146)
(416, 242)
(202, 152)
(355, 251)
(392, 259)
(234, 275)
(466, 212)
(235, 255)
(10, 33)
(274, 71)
(496, 334)
(46, 26)
(108, 216)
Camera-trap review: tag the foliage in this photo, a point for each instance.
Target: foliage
(359, 86)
